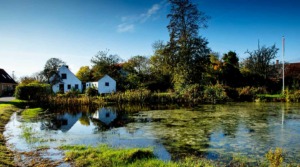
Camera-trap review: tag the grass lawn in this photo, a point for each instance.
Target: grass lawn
(6, 110)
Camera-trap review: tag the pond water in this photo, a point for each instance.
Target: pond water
(216, 132)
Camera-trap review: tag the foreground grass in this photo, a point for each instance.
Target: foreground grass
(31, 113)
(105, 156)
(6, 110)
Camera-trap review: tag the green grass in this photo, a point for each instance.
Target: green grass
(135, 157)
(6, 156)
(31, 113)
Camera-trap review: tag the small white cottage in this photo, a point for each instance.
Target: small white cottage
(69, 81)
(106, 85)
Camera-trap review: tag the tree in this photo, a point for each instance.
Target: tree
(84, 74)
(187, 53)
(104, 63)
(231, 74)
(259, 61)
(51, 70)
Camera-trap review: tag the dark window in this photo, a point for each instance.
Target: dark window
(76, 86)
(63, 76)
(106, 83)
(69, 86)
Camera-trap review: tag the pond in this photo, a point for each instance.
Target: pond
(217, 132)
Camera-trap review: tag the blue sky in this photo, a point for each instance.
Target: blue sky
(32, 31)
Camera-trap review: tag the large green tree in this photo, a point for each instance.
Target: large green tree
(231, 74)
(84, 74)
(51, 70)
(187, 53)
(105, 63)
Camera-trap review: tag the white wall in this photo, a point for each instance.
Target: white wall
(91, 84)
(70, 80)
(103, 88)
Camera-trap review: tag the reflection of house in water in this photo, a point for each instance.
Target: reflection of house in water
(61, 122)
(105, 115)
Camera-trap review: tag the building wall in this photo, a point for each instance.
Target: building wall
(7, 87)
(71, 80)
(104, 88)
(92, 84)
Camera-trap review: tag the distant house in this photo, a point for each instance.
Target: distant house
(106, 85)
(7, 83)
(68, 81)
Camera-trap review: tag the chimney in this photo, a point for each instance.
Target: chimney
(277, 62)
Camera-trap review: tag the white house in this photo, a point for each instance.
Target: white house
(106, 85)
(69, 81)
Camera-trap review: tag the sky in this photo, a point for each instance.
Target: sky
(33, 31)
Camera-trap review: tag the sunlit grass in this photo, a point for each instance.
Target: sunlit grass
(31, 113)
(104, 155)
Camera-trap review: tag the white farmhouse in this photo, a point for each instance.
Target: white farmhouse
(69, 81)
(106, 85)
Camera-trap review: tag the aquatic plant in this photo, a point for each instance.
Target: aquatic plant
(275, 157)
(28, 134)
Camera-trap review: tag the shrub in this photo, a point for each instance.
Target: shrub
(33, 91)
(215, 93)
(192, 93)
(72, 93)
(91, 91)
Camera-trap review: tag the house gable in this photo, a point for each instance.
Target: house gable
(69, 81)
(106, 85)
(5, 78)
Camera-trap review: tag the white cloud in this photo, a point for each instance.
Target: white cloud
(145, 16)
(124, 27)
(129, 22)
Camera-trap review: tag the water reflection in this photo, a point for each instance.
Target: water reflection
(212, 131)
(60, 122)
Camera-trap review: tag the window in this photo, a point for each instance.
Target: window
(76, 86)
(63, 76)
(106, 83)
(69, 86)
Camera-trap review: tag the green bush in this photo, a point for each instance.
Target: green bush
(215, 94)
(192, 93)
(72, 93)
(33, 91)
(91, 91)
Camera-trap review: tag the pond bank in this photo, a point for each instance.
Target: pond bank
(6, 155)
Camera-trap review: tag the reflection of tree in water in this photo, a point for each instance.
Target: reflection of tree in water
(63, 122)
(84, 120)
